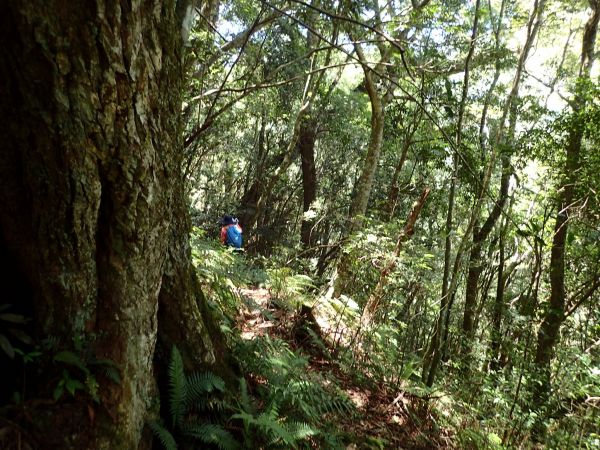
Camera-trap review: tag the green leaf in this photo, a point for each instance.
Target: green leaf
(199, 384)
(212, 434)
(72, 359)
(21, 335)
(6, 346)
(494, 439)
(163, 435)
(177, 387)
(112, 374)
(13, 318)
(58, 391)
(301, 430)
(73, 385)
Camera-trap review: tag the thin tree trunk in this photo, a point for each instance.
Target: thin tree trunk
(479, 236)
(378, 102)
(392, 197)
(364, 185)
(306, 145)
(433, 354)
(247, 208)
(548, 333)
(475, 263)
(311, 86)
(498, 309)
(374, 300)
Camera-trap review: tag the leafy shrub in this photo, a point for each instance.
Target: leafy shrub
(289, 390)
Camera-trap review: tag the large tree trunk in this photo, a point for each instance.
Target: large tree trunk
(92, 202)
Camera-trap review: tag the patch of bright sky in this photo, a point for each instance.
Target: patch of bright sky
(547, 52)
(352, 76)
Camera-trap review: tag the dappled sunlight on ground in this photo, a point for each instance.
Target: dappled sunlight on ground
(386, 418)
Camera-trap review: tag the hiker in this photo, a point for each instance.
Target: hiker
(231, 232)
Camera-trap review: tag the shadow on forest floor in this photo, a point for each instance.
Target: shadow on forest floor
(387, 418)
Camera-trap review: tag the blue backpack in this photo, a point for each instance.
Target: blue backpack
(234, 236)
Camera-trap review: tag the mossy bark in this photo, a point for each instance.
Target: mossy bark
(92, 203)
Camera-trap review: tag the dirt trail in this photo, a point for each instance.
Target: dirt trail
(387, 419)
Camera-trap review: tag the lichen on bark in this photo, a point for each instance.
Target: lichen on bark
(92, 198)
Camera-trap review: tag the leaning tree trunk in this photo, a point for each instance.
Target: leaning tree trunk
(475, 263)
(92, 202)
(364, 184)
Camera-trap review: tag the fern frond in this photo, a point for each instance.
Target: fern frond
(244, 417)
(163, 435)
(269, 422)
(177, 387)
(199, 384)
(300, 430)
(212, 404)
(210, 433)
(112, 374)
(244, 398)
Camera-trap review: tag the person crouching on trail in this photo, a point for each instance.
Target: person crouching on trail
(231, 232)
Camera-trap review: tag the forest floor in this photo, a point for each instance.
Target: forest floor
(387, 418)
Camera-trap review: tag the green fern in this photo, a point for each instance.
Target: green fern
(163, 435)
(199, 384)
(303, 395)
(277, 431)
(187, 396)
(211, 434)
(273, 429)
(300, 430)
(177, 387)
(266, 424)
(245, 398)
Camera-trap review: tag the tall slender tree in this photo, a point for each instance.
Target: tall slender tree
(555, 310)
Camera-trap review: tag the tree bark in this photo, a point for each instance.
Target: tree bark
(92, 200)
(498, 309)
(364, 185)
(306, 145)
